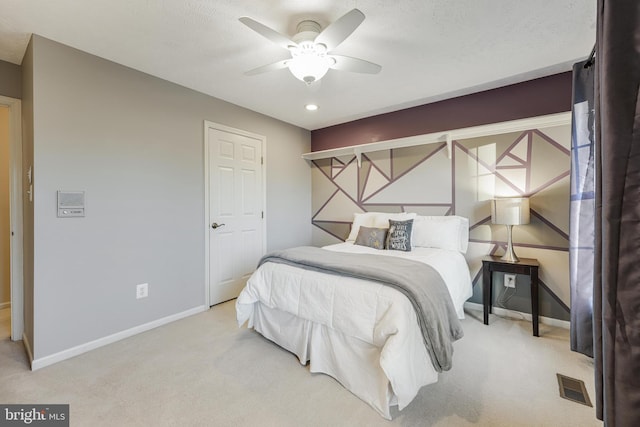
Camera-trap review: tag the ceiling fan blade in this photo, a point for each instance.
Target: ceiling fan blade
(338, 31)
(267, 32)
(266, 68)
(355, 65)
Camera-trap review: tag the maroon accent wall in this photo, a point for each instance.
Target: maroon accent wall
(546, 95)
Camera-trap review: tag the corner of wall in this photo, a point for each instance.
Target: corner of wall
(27, 219)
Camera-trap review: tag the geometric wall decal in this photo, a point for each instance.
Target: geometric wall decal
(554, 158)
(347, 180)
(324, 165)
(426, 182)
(338, 163)
(551, 203)
(381, 160)
(550, 303)
(339, 230)
(363, 173)
(520, 149)
(403, 159)
(422, 179)
(510, 160)
(555, 134)
(321, 187)
(553, 271)
(505, 186)
(487, 233)
(338, 208)
(374, 182)
(481, 169)
(474, 184)
(475, 252)
(513, 167)
(429, 210)
(346, 159)
(515, 178)
(336, 168)
(390, 208)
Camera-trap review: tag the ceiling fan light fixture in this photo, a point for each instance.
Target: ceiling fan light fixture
(309, 62)
(312, 47)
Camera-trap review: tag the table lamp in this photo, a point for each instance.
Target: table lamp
(510, 211)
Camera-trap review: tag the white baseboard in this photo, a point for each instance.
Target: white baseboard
(100, 342)
(519, 315)
(5, 305)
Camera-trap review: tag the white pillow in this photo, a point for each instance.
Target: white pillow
(376, 220)
(444, 232)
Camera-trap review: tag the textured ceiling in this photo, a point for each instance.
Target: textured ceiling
(429, 49)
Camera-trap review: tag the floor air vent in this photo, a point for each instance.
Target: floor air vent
(573, 389)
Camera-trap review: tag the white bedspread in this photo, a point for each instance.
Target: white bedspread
(451, 265)
(374, 314)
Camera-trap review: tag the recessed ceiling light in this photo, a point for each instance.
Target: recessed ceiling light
(311, 107)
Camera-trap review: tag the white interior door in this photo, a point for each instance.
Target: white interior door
(236, 229)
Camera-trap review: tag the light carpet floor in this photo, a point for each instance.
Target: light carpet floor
(204, 371)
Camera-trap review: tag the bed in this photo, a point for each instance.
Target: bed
(364, 333)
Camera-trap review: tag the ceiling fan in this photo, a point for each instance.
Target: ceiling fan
(311, 48)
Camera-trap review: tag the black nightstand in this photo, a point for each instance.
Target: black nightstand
(526, 266)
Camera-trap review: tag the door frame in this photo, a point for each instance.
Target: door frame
(15, 216)
(263, 139)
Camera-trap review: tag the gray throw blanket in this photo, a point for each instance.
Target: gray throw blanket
(419, 282)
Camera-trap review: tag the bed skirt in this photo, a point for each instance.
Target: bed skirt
(351, 361)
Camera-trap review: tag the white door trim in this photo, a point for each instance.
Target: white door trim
(15, 207)
(212, 125)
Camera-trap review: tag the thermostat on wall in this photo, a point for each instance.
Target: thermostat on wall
(70, 204)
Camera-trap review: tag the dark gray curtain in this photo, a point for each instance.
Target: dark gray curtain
(617, 256)
(582, 227)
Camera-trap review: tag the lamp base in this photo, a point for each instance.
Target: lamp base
(509, 254)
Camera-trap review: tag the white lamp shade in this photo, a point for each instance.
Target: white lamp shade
(510, 211)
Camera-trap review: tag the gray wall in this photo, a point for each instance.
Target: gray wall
(134, 143)
(10, 80)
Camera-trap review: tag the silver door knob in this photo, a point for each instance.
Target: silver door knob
(216, 225)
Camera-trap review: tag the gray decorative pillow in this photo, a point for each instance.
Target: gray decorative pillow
(372, 237)
(399, 237)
